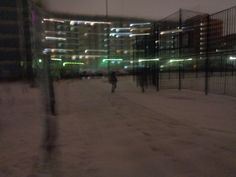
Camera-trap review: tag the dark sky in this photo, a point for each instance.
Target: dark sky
(151, 9)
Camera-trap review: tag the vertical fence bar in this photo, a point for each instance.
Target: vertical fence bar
(157, 55)
(180, 49)
(207, 57)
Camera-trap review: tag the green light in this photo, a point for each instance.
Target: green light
(40, 60)
(112, 59)
(72, 63)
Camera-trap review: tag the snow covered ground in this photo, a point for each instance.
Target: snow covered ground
(127, 134)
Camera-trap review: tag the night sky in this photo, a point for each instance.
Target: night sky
(149, 9)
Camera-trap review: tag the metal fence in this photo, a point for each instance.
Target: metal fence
(192, 51)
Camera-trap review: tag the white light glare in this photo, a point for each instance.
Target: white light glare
(59, 32)
(89, 23)
(177, 60)
(140, 24)
(140, 29)
(128, 34)
(94, 50)
(56, 59)
(110, 59)
(232, 58)
(53, 20)
(202, 24)
(171, 31)
(120, 29)
(91, 56)
(55, 38)
(153, 59)
(47, 50)
(119, 34)
(140, 34)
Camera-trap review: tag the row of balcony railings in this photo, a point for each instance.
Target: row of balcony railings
(80, 45)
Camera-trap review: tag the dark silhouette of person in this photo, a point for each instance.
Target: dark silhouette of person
(113, 80)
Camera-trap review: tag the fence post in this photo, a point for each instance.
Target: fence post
(180, 81)
(157, 54)
(50, 134)
(180, 48)
(157, 76)
(207, 58)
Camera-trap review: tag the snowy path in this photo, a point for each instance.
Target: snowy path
(130, 134)
(126, 134)
(21, 115)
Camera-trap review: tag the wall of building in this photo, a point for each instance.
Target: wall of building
(14, 40)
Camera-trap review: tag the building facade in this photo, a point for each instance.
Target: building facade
(96, 45)
(15, 50)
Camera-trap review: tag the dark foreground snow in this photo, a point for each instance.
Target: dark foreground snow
(126, 134)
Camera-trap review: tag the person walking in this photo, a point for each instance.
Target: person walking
(113, 80)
